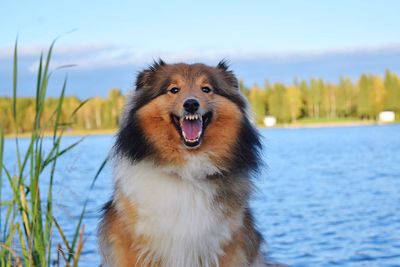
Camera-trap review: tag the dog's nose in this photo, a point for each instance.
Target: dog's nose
(191, 105)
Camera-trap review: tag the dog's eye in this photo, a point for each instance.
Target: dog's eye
(206, 89)
(174, 90)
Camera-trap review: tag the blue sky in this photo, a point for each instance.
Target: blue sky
(126, 33)
(210, 26)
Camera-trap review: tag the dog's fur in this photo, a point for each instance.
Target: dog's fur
(178, 203)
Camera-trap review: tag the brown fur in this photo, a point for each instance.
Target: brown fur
(219, 137)
(152, 113)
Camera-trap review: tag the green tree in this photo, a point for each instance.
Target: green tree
(365, 97)
(346, 98)
(115, 102)
(304, 99)
(392, 97)
(6, 120)
(278, 104)
(371, 96)
(293, 98)
(314, 98)
(243, 89)
(256, 99)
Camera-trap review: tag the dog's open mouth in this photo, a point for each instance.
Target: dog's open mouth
(191, 127)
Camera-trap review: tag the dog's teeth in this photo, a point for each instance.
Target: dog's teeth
(192, 117)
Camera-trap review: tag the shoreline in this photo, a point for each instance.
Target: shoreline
(328, 124)
(67, 133)
(305, 125)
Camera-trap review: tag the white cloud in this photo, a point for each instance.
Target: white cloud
(34, 50)
(95, 56)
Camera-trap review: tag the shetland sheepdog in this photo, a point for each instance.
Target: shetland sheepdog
(183, 160)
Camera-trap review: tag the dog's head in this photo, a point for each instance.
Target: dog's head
(181, 109)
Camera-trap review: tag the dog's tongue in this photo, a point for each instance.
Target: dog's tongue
(191, 128)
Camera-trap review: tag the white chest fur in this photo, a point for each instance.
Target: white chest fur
(176, 211)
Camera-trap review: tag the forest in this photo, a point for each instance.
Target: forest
(360, 99)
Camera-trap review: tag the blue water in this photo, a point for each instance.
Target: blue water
(327, 196)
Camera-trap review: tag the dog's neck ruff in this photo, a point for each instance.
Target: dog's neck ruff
(177, 211)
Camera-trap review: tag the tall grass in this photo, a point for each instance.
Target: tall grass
(27, 222)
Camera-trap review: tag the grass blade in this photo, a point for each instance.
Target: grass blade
(79, 106)
(79, 248)
(29, 222)
(62, 234)
(15, 80)
(60, 153)
(59, 109)
(85, 204)
(1, 170)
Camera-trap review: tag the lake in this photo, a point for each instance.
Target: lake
(327, 196)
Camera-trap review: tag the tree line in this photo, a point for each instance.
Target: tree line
(89, 114)
(362, 99)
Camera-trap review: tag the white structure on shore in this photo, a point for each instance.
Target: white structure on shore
(386, 116)
(269, 121)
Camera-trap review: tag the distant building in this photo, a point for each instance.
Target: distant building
(386, 116)
(269, 121)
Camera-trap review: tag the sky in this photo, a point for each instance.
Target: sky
(101, 37)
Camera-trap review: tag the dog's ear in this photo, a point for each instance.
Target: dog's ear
(228, 75)
(223, 65)
(145, 77)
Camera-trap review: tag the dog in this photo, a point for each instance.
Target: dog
(184, 159)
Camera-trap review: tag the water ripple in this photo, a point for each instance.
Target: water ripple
(329, 197)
